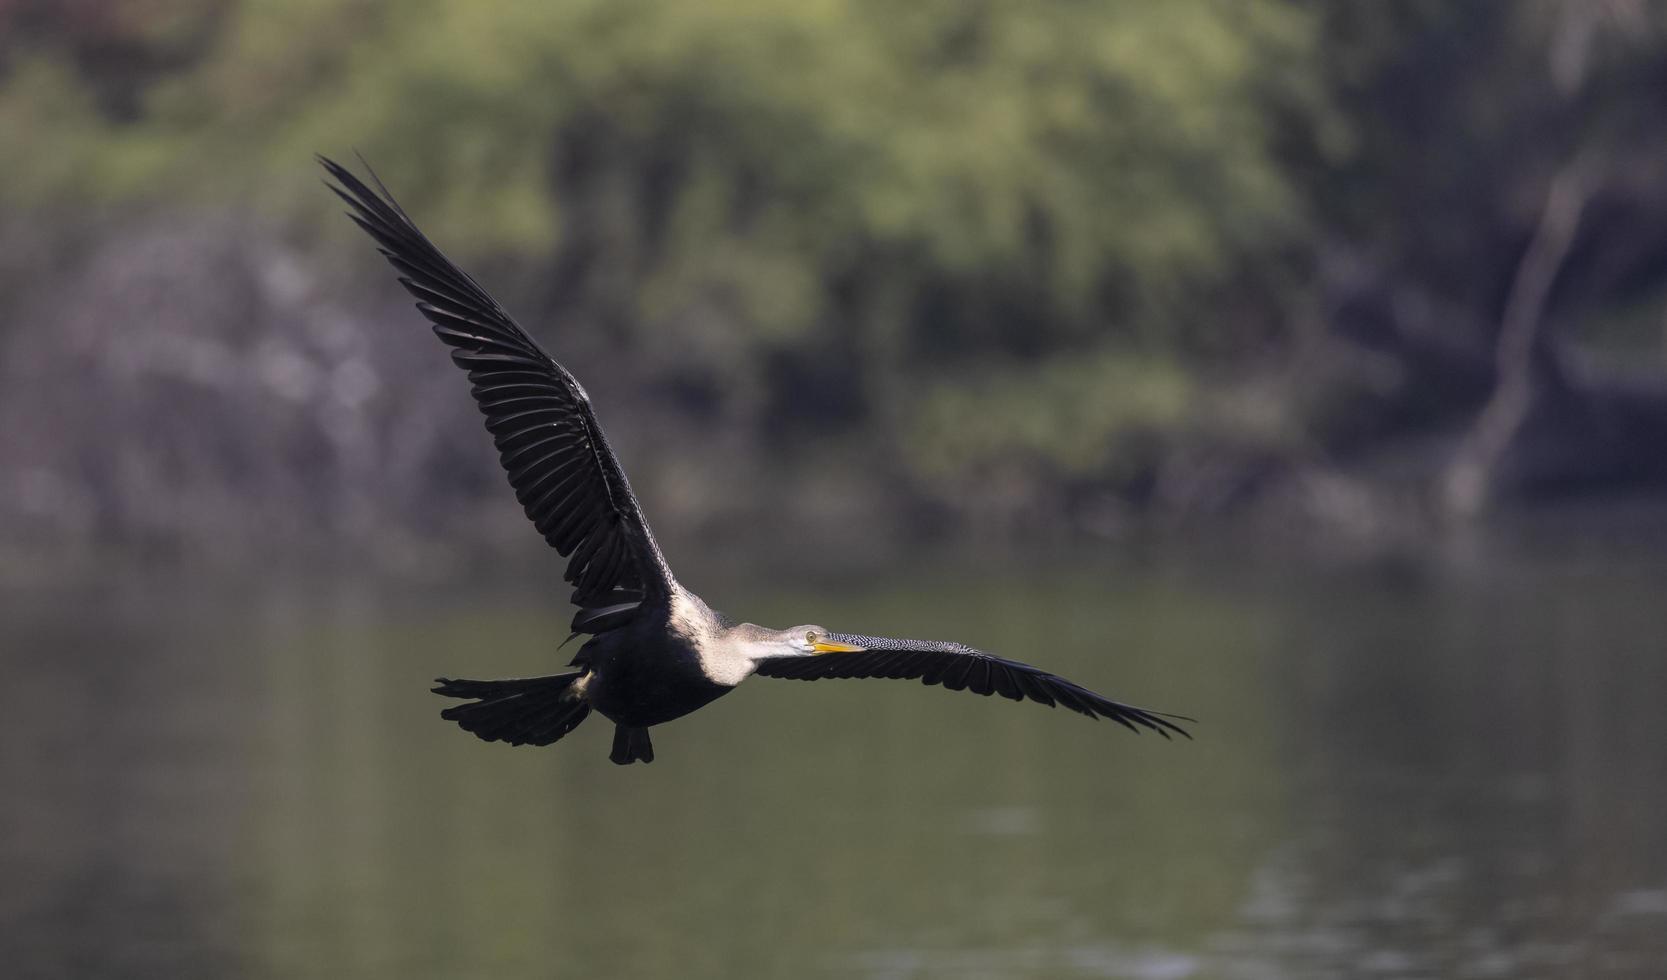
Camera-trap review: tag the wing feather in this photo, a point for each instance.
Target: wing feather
(548, 439)
(959, 667)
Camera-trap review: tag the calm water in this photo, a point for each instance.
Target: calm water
(1453, 769)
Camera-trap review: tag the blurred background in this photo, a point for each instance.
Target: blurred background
(1298, 366)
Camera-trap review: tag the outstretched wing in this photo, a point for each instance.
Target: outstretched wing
(958, 668)
(548, 440)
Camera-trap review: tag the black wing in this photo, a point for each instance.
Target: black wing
(548, 440)
(958, 668)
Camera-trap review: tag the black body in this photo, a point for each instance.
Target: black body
(646, 674)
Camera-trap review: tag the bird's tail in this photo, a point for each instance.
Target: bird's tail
(520, 711)
(631, 745)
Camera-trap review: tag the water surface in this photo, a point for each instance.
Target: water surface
(1402, 770)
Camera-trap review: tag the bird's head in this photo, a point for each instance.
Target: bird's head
(815, 639)
(733, 657)
(795, 641)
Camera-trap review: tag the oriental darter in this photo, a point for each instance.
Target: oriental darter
(656, 651)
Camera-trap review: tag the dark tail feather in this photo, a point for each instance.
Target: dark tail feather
(520, 711)
(631, 745)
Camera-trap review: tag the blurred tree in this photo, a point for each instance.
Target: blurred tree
(794, 182)
(1495, 198)
(1015, 256)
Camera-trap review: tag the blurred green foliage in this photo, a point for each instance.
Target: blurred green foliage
(886, 186)
(962, 239)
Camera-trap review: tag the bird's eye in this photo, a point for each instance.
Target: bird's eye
(811, 636)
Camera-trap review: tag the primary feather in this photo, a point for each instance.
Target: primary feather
(549, 442)
(960, 667)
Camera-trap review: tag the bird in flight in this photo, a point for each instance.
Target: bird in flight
(656, 651)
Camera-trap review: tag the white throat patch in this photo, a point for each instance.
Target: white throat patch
(723, 663)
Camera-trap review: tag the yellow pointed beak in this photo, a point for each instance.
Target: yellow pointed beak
(824, 646)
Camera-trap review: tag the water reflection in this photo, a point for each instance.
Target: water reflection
(1455, 775)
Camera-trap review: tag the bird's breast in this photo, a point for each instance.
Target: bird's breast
(644, 681)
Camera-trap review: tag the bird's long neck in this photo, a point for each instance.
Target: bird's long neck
(724, 650)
